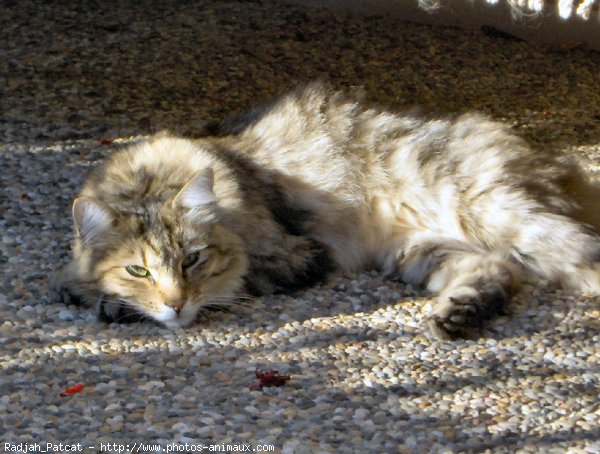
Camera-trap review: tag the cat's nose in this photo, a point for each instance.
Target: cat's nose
(172, 293)
(175, 305)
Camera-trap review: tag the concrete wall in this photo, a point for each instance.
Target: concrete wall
(550, 28)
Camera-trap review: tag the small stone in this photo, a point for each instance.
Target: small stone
(361, 413)
(205, 431)
(66, 315)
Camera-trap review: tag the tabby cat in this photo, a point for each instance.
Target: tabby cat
(317, 183)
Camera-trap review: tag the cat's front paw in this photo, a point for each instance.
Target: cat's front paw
(118, 312)
(467, 308)
(65, 296)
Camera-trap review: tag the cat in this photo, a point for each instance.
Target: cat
(318, 182)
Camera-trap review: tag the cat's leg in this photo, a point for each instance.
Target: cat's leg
(68, 289)
(472, 285)
(559, 249)
(64, 284)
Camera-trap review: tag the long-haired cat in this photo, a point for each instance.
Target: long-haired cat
(317, 182)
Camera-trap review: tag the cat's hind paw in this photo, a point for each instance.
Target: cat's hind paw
(455, 316)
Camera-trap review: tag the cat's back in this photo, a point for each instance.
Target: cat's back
(317, 138)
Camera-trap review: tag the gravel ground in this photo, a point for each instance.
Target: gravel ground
(79, 78)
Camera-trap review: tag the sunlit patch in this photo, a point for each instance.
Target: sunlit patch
(565, 8)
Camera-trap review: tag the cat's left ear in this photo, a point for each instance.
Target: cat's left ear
(198, 192)
(92, 219)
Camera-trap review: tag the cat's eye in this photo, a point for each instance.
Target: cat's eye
(192, 259)
(137, 271)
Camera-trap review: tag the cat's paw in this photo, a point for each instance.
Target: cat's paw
(61, 290)
(467, 308)
(65, 296)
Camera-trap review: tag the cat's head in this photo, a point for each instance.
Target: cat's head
(165, 260)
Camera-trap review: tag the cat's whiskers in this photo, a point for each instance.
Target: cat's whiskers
(118, 302)
(202, 311)
(139, 316)
(244, 302)
(232, 297)
(118, 317)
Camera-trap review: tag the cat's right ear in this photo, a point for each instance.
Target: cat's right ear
(197, 194)
(92, 219)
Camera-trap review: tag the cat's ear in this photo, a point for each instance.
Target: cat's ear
(198, 192)
(92, 217)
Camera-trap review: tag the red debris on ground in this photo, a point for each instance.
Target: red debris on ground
(72, 389)
(268, 379)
